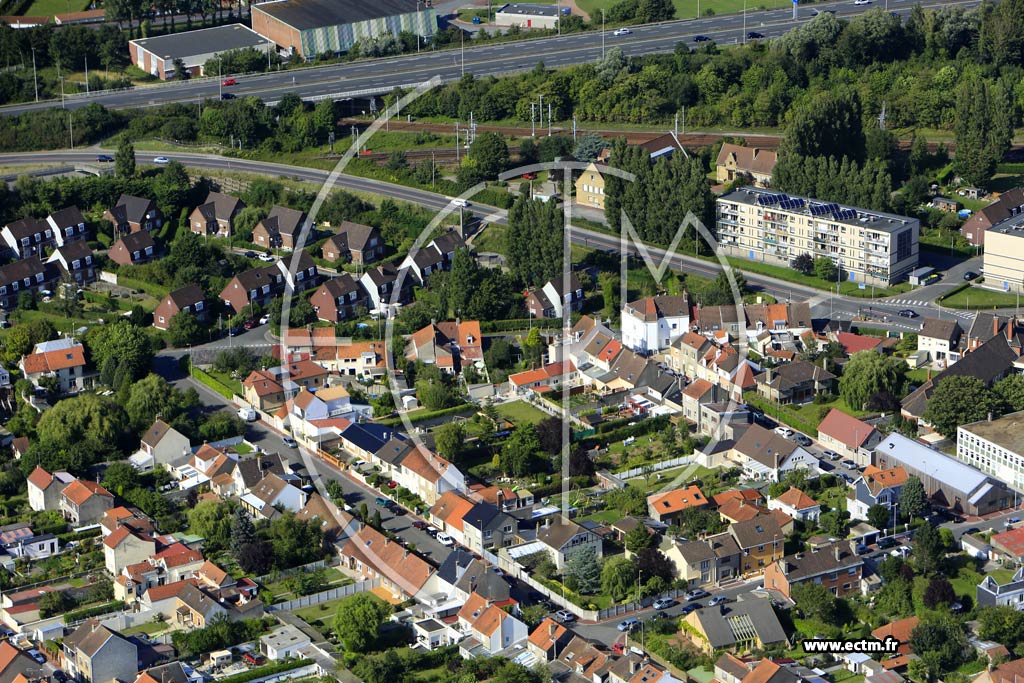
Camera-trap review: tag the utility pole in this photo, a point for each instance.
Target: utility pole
(602, 31)
(220, 63)
(35, 81)
(456, 142)
(549, 119)
(463, 35)
(87, 74)
(744, 22)
(533, 127)
(71, 129)
(574, 127)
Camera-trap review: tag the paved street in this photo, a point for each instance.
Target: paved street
(383, 75)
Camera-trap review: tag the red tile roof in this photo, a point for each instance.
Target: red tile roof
(451, 508)
(1012, 541)
(40, 478)
(52, 361)
(796, 499)
(677, 500)
(854, 343)
(80, 491)
(845, 428)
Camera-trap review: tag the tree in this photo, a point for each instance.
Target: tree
(639, 538)
(983, 128)
(651, 563)
(584, 566)
(879, 516)
(449, 440)
(701, 521)
(825, 268)
(929, 550)
(519, 450)
(815, 601)
(124, 158)
(958, 400)
(294, 541)
(1010, 391)
(256, 557)
(588, 147)
(830, 125)
(221, 425)
(358, 619)
(869, 373)
(719, 292)
(185, 330)
(211, 521)
(943, 638)
(618, 577)
(939, 592)
(549, 435)
(120, 477)
(78, 432)
(913, 501)
(804, 264)
(124, 342)
(490, 154)
(54, 602)
(243, 532)
(1002, 624)
(379, 667)
(629, 500)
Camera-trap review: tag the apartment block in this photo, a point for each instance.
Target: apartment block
(995, 447)
(869, 247)
(1003, 262)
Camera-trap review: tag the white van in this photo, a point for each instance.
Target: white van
(248, 413)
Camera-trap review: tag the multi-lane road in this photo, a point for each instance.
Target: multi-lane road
(383, 75)
(823, 304)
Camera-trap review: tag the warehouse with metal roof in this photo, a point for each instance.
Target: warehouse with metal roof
(947, 481)
(310, 28)
(156, 55)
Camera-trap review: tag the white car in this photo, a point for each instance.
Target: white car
(445, 540)
(621, 32)
(267, 258)
(248, 414)
(460, 202)
(784, 431)
(862, 2)
(161, 160)
(264, 320)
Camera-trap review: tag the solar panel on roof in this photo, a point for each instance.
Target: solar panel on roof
(844, 214)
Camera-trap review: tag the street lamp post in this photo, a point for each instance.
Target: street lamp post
(602, 32)
(744, 22)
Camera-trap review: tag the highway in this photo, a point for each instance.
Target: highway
(497, 59)
(823, 304)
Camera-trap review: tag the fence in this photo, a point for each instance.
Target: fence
(325, 596)
(656, 467)
(108, 277)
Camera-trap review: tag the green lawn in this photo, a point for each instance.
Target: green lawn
(491, 239)
(788, 274)
(321, 614)
(47, 8)
(521, 411)
(976, 298)
(227, 380)
(149, 628)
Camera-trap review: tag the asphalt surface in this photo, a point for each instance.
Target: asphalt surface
(824, 305)
(383, 75)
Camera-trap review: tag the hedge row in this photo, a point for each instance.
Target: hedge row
(268, 670)
(787, 416)
(956, 290)
(212, 383)
(421, 415)
(78, 535)
(517, 324)
(86, 612)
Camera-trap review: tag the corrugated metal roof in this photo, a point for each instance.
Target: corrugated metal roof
(934, 463)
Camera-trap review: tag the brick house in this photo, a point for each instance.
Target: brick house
(188, 298)
(132, 214)
(338, 298)
(354, 243)
(215, 216)
(280, 229)
(133, 249)
(836, 566)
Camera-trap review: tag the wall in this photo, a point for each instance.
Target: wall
(325, 596)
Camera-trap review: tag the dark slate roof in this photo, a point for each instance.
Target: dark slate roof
(220, 206)
(341, 286)
(203, 41)
(812, 563)
(794, 374)
(132, 209)
(138, 241)
(355, 236)
(757, 531)
(394, 451)
(78, 249)
(310, 14)
(67, 217)
(27, 227)
(938, 328)
(254, 278)
(722, 626)
(189, 295)
(19, 270)
(283, 220)
(482, 516)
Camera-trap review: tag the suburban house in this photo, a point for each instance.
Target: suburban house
(551, 300)
(760, 540)
(61, 358)
(485, 527)
(260, 285)
(940, 339)
(562, 538)
(836, 566)
(94, 653)
(705, 562)
(172, 672)
(262, 500)
(386, 286)
(876, 486)
(16, 666)
(1009, 205)
(215, 216)
(1009, 545)
(796, 382)
(848, 436)
(75, 259)
(355, 358)
(25, 275)
(335, 523)
(196, 607)
(189, 298)
(27, 237)
(449, 513)
(434, 257)
(374, 555)
(548, 639)
(44, 489)
(742, 626)
(546, 378)
(590, 187)
(991, 593)
(125, 546)
(132, 249)
(797, 505)
(84, 502)
(737, 161)
(19, 540)
(651, 324)
(132, 214)
(450, 345)
(488, 629)
(947, 481)
(263, 390)
(280, 229)
(667, 506)
(68, 225)
(763, 454)
(354, 243)
(284, 642)
(338, 298)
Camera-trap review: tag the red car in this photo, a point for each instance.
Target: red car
(249, 324)
(228, 81)
(529, 176)
(392, 484)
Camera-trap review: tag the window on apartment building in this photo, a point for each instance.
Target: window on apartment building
(852, 571)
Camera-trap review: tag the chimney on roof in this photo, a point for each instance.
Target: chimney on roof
(552, 627)
(995, 325)
(634, 664)
(769, 374)
(838, 552)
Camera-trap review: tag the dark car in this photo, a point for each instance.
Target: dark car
(907, 313)
(250, 254)
(105, 158)
(227, 96)
(249, 324)
(690, 608)
(422, 526)
(754, 35)
(970, 275)
(235, 331)
(972, 530)
(700, 39)
(886, 543)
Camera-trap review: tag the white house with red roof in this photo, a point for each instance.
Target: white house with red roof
(125, 546)
(545, 378)
(651, 324)
(44, 489)
(848, 436)
(485, 629)
(797, 505)
(450, 345)
(60, 358)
